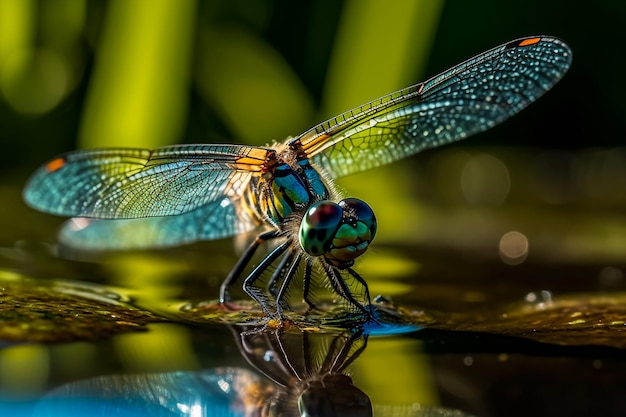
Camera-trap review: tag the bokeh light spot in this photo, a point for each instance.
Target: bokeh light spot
(34, 81)
(513, 248)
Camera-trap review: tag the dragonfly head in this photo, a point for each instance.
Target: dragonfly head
(340, 232)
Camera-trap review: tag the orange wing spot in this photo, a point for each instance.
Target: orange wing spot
(256, 153)
(255, 160)
(317, 141)
(55, 164)
(248, 161)
(246, 167)
(530, 41)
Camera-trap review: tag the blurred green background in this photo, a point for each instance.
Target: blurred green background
(76, 73)
(79, 74)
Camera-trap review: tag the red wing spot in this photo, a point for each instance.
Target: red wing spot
(55, 164)
(530, 41)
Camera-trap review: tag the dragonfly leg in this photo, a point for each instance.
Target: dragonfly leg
(340, 286)
(272, 284)
(308, 276)
(293, 268)
(235, 273)
(359, 278)
(258, 294)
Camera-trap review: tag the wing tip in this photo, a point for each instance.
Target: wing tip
(529, 41)
(534, 40)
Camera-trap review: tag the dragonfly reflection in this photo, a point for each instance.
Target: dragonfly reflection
(309, 369)
(304, 374)
(199, 192)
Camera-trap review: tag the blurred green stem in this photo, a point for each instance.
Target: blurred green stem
(380, 47)
(139, 91)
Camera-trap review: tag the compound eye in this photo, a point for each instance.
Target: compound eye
(362, 211)
(318, 227)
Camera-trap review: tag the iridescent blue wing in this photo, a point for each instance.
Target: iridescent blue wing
(221, 392)
(132, 183)
(218, 219)
(468, 98)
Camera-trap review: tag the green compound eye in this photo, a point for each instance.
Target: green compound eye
(318, 227)
(362, 211)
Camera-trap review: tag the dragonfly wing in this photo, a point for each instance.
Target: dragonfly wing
(123, 183)
(216, 220)
(468, 98)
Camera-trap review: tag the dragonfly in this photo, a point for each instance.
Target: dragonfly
(123, 198)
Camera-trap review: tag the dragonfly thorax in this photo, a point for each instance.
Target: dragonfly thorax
(291, 185)
(295, 193)
(340, 232)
